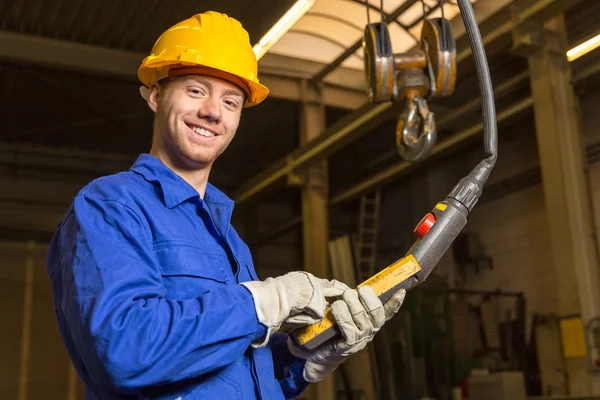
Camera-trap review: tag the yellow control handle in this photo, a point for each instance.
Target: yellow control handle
(383, 283)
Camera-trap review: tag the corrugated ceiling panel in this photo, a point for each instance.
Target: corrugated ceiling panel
(127, 24)
(337, 24)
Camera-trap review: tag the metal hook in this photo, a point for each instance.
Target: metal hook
(416, 133)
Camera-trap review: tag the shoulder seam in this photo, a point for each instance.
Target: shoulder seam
(83, 195)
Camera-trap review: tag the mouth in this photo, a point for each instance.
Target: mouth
(201, 130)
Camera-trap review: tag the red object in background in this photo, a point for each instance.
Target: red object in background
(464, 385)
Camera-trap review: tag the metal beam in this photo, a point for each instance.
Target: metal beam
(283, 87)
(271, 234)
(402, 168)
(70, 160)
(337, 136)
(281, 74)
(447, 118)
(72, 165)
(353, 126)
(284, 66)
(497, 38)
(593, 154)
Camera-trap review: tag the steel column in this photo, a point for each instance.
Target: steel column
(566, 191)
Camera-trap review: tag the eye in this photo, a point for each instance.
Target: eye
(195, 91)
(231, 104)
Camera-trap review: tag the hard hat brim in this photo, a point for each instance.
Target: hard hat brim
(255, 91)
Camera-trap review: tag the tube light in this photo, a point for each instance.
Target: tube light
(583, 48)
(282, 26)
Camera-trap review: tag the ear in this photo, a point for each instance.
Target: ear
(154, 93)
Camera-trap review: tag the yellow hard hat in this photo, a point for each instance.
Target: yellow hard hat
(210, 43)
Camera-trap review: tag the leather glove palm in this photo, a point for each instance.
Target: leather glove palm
(298, 298)
(359, 315)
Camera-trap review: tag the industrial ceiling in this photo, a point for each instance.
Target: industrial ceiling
(67, 73)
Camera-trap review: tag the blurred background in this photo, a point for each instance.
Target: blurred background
(512, 309)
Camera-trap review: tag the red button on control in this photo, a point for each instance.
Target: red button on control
(425, 225)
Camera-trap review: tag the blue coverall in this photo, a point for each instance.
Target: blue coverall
(145, 276)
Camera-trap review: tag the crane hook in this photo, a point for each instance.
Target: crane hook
(416, 133)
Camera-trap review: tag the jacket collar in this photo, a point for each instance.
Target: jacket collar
(175, 189)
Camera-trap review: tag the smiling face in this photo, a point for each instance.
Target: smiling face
(196, 117)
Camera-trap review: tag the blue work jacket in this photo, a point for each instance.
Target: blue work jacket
(145, 276)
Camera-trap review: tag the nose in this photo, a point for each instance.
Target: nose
(210, 109)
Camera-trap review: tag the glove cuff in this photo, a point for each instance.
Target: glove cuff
(270, 303)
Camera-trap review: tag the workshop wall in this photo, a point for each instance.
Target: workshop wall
(514, 229)
(511, 225)
(34, 361)
(590, 122)
(280, 254)
(510, 221)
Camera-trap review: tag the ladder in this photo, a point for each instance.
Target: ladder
(366, 250)
(368, 226)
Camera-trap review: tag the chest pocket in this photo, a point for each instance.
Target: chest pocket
(188, 271)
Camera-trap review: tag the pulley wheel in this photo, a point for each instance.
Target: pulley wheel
(379, 62)
(440, 48)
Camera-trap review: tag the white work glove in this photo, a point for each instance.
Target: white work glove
(359, 315)
(298, 298)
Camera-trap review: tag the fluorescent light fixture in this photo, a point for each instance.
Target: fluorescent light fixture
(583, 48)
(282, 26)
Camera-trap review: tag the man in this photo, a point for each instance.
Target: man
(156, 295)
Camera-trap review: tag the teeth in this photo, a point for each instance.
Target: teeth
(203, 132)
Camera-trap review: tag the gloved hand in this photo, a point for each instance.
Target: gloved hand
(298, 298)
(359, 315)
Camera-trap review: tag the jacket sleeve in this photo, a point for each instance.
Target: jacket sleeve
(288, 368)
(111, 293)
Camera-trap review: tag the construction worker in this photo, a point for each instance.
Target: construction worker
(155, 293)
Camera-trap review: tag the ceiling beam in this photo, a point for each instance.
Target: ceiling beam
(67, 165)
(403, 168)
(454, 143)
(457, 141)
(496, 36)
(282, 75)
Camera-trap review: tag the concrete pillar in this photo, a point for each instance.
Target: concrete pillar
(566, 190)
(26, 329)
(315, 228)
(315, 222)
